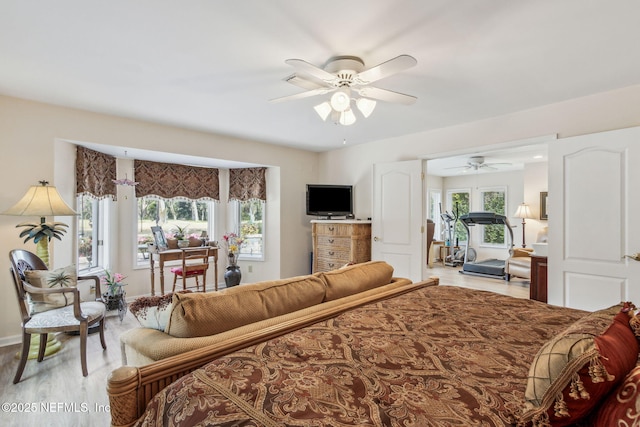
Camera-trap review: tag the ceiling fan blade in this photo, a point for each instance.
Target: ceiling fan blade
(392, 66)
(313, 92)
(385, 95)
(498, 164)
(296, 80)
(307, 68)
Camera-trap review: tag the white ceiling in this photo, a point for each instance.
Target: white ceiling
(213, 65)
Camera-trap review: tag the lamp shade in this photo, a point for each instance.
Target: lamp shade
(347, 117)
(523, 211)
(41, 200)
(366, 106)
(323, 110)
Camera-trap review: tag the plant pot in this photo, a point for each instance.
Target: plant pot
(232, 276)
(183, 244)
(116, 302)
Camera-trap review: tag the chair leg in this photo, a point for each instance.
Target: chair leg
(83, 347)
(42, 347)
(197, 283)
(24, 354)
(175, 280)
(102, 341)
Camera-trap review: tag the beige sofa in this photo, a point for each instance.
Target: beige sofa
(198, 320)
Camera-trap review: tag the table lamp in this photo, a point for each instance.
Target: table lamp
(41, 200)
(523, 212)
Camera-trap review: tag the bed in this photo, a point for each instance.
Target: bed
(426, 356)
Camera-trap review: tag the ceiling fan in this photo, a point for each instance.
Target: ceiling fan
(343, 76)
(477, 162)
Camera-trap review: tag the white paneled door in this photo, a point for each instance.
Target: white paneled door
(594, 219)
(396, 227)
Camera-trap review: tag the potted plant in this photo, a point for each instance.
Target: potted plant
(180, 234)
(114, 295)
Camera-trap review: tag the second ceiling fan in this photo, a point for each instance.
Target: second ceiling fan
(346, 76)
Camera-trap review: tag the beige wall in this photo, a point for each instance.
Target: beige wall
(596, 113)
(35, 144)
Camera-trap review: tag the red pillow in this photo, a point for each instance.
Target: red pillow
(621, 407)
(586, 378)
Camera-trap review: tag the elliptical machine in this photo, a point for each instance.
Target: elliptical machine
(455, 256)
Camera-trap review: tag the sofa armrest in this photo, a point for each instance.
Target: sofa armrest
(522, 252)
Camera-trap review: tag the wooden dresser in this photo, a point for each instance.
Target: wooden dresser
(336, 243)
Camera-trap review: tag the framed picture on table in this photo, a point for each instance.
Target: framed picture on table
(160, 238)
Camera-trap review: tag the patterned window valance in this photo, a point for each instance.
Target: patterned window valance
(95, 173)
(169, 181)
(247, 184)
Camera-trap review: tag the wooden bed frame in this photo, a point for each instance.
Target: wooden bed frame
(130, 389)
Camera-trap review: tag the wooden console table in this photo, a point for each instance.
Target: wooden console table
(173, 255)
(538, 286)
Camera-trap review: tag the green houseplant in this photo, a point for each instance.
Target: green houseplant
(180, 234)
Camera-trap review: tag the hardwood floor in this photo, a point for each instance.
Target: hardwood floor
(54, 392)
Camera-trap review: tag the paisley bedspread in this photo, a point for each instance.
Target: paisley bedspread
(436, 356)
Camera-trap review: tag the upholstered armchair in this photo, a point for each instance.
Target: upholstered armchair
(48, 309)
(519, 263)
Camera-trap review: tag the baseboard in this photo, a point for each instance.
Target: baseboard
(12, 340)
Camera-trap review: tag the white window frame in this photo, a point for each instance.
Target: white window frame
(493, 189)
(236, 216)
(144, 263)
(451, 209)
(434, 201)
(101, 233)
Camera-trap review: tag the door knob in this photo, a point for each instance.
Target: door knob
(376, 238)
(635, 256)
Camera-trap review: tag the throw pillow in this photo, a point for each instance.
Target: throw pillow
(65, 277)
(152, 312)
(621, 407)
(575, 370)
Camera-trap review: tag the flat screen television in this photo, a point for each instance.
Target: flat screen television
(329, 200)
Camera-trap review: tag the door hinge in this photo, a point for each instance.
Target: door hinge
(422, 229)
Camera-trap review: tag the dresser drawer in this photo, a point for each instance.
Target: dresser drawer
(337, 243)
(328, 265)
(333, 229)
(333, 253)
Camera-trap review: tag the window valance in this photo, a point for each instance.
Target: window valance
(247, 184)
(95, 173)
(168, 180)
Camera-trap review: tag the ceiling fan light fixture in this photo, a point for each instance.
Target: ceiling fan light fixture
(366, 106)
(341, 100)
(323, 110)
(347, 117)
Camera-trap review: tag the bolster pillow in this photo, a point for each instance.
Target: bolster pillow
(356, 278)
(202, 314)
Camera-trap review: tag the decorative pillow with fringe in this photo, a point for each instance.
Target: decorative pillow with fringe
(620, 408)
(574, 371)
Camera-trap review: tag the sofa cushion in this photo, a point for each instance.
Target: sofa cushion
(202, 314)
(356, 278)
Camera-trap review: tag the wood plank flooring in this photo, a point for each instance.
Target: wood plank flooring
(54, 392)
